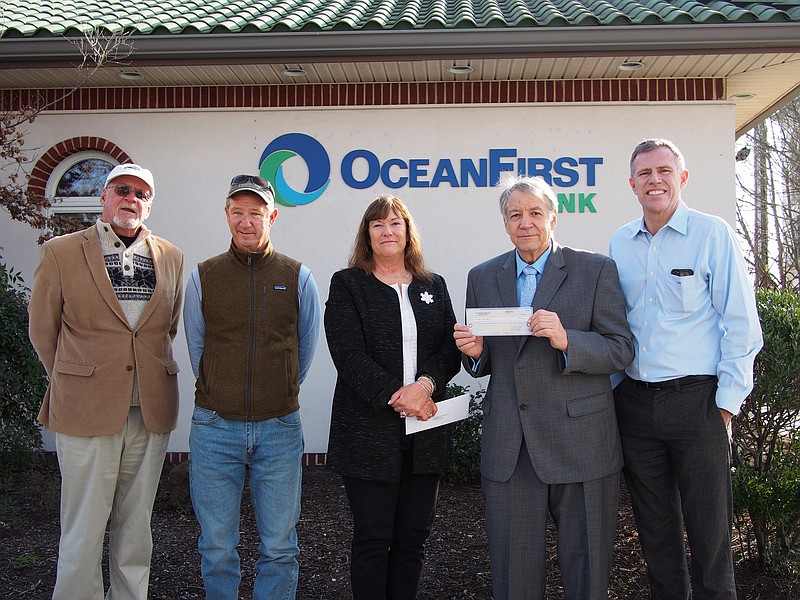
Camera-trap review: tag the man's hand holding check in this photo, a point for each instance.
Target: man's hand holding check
(500, 321)
(546, 324)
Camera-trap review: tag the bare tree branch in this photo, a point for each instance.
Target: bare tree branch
(768, 213)
(97, 49)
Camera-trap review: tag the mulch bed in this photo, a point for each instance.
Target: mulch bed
(457, 564)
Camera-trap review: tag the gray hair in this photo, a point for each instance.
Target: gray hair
(535, 186)
(652, 144)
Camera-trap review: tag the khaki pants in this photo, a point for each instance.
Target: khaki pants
(106, 476)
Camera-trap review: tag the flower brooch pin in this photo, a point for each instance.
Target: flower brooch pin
(426, 297)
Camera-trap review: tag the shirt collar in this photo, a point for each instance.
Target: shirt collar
(538, 264)
(679, 221)
(680, 218)
(108, 234)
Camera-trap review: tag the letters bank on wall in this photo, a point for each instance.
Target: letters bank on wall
(339, 103)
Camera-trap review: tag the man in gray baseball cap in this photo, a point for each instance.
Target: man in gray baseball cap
(252, 321)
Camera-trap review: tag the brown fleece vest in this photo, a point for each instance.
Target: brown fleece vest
(249, 368)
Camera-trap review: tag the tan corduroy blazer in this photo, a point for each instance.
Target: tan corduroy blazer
(87, 347)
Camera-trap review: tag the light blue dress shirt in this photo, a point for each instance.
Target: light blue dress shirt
(308, 324)
(690, 302)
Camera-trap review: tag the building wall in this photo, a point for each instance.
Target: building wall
(193, 152)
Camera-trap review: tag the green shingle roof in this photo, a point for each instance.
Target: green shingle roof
(71, 17)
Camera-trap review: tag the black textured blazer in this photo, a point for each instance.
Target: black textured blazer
(362, 325)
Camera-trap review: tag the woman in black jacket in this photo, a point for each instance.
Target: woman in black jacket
(389, 324)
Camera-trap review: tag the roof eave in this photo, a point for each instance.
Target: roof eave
(542, 41)
(769, 110)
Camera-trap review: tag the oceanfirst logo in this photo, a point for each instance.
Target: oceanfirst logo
(361, 169)
(288, 146)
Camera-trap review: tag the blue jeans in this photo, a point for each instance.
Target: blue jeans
(222, 451)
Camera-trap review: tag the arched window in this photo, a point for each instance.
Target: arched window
(76, 184)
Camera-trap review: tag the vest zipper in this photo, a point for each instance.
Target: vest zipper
(251, 342)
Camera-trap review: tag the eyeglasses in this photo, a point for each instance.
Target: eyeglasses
(123, 190)
(254, 179)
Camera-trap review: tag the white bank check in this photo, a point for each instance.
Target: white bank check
(447, 411)
(499, 321)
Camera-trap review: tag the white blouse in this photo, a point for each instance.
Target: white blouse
(409, 328)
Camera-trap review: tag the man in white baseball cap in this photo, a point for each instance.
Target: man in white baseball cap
(104, 309)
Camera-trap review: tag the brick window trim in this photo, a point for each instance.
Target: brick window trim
(44, 167)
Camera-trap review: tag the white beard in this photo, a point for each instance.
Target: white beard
(130, 223)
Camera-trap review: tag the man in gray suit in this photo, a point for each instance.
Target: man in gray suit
(550, 442)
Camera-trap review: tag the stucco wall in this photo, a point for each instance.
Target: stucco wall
(193, 154)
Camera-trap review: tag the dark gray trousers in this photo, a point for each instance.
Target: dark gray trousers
(585, 514)
(677, 468)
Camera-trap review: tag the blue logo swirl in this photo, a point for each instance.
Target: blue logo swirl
(287, 146)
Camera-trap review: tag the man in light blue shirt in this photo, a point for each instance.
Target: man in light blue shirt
(692, 312)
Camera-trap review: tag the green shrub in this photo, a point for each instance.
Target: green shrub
(467, 439)
(772, 501)
(766, 449)
(22, 378)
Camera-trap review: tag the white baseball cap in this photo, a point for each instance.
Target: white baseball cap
(135, 171)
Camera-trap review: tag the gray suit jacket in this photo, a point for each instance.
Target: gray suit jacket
(565, 413)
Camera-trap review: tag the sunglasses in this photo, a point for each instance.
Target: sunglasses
(254, 179)
(123, 190)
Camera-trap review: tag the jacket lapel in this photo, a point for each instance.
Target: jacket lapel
(552, 278)
(507, 281)
(97, 266)
(158, 265)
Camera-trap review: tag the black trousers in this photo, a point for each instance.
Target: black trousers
(391, 522)
(677, 468)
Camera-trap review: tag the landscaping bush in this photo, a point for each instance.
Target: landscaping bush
(467, 439)
(772, 501)
(22, 377)
(766, 449)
